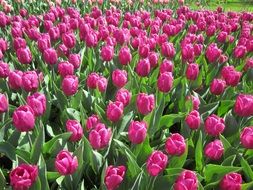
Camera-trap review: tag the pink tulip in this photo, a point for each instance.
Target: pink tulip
(100, 136)
(175, 145)
(214, 150)
(66, 163)
(137, 131)
(156, 163)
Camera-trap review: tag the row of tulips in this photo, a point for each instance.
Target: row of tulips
(126, 100)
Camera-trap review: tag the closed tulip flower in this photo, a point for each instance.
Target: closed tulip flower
(240, 51)
(92, 80)
(144, 50)
(100, 136)
(217, 86)
(3, 103)
(23, 176)
(187, 52)
(19, 43)
(69, 40)
(30, 81)
(175, 145)
(145, 103)
(114, 111)
(124, 96)
(187, 180)
(66, 163)
(213, 53)
(143, 68)
(24, 55)
(50, 56)
(166, 66)
(246, 137)
(137, 131)
(91, 39)
(44, 43)
(75, 60)
(231, 181)
(125, 56)
(230, 75)
(92, 121)
(15, 79)
(214, 125)
(193, 120)
(65, 68)
(192, 71)
(156, 163)
(3, 45)
(38, 103)
(195, 101)
(119, 78)
(76, 130)
(70, 85)
(102, 84)
(165, 82)
(107, 53)
(214, 150)
(114, 176)
(244, 105)
(23, 118)
(168, 50)
(4, 70)
(153, 59)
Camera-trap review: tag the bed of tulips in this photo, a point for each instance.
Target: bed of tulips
(132, 100)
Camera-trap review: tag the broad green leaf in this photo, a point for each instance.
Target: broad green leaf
(225, 106)
(8, 150)
(246, 168)
(37, 147)
(168, 120)
(199, 153)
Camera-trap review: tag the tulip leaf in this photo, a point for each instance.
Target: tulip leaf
(2, 180)
(37, 147)
(8, 150)
(168, 120)
(199, 153)
(225, 106)
(246, 168)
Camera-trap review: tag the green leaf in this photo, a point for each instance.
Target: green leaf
(217, 171)
(125, 122)
(246, 168)
(247, 186)
(42, 174)
(73, 114)
(8, 150)
(179, 161)
(48, 146)
(37, 147)
(168, 120)
(2, 180)
(52, 176)
(225, 143)
(225, 105)
(36, 185)
(199, 153)
(232, 126)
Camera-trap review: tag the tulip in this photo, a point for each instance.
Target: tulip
(166, 66)
(217, 86)
(50, 56)
(214, 150)
(168, 50)
(240, 51)
(38, 103)
(193, 120)
(15, 79)
(165, 82)
(143, 67)
(23, 118)
(114, 176)
(91, 39)
(70, 85)
(3, 103)
(92, 80)
(144, 50)
(156, 163)
(75, 60)
(76, 129)
(230, 75)
(231, 181)
(214, 125)
(4, 70)
(188, 52)
(192, 71)
(137, 131)
(145, 103)
(125, 56)
(244, 105)
(69, 40)
(107, 53)
(100, 136)
(102, 84)
(23, 176)
(63, 51)
(195, 101)
(44, 43)
(24, 55)
(119, 78)
(66, 163)
(187, 180)
(30, 81)
(246, 137)
(175, 145)
(65, 68)
(114, 111)
(19, 43)
(124, 96)
(153, 59)
(92, 121)
(213, 53)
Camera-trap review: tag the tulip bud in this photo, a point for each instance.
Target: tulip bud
(70, 85)
(156, 163)
(153, 59)
(114, 176)
(145, 103)
(143, 68)
(44, 43)
(91, 39)
(69, 40)
(75, 60)
(19, 43)
(137, 131)
(62, 51)
(24, 55)
(188, 52)
(193, 120)
(30, 81)
(187, 180)
(240, 51)
(246, 137)
(100, 136)
(217, 86)
(213, 53)
(38, 103)
(123, 96)
(214, 150)
(144, 50)
(214, 125)
(15, 79)
(3, 103)
(65, 68)
(114, 111)
(231, 181)
(195, 101)
(168, 50)
(119, 78)
(23, 176)
(230, 75)
(23, 118)
(50, 56)
(244, 105)
(107, 53)
(165, 82)
(76, 129)
(3, 45)
(92, 121)
(66, 163)
(192, 71)
(4, 70)
(166, 66)
(102, 84)
(92, 80)
(175, 145)
(125, 56)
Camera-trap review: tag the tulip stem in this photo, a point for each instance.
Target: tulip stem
(29, 140)
(152, 182)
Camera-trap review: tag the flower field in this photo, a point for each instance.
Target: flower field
(125, 95)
